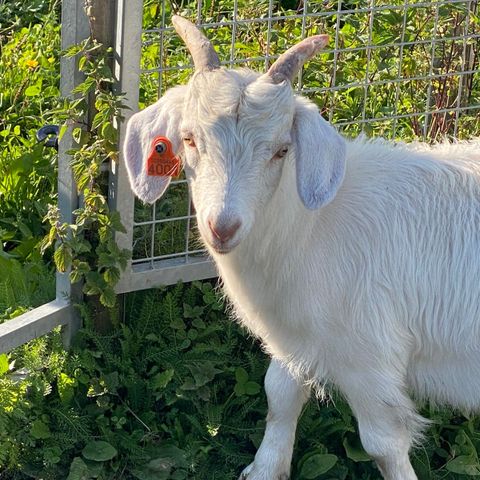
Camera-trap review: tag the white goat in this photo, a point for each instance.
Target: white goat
(368, 278)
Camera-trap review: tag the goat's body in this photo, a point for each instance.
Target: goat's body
(385, 279)
(368, 280)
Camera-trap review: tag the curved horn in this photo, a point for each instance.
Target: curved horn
(202, 51)
(290, 62)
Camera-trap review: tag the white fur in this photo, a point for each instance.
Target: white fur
(376, 293)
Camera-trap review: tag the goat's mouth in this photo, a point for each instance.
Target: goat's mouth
(223, 248)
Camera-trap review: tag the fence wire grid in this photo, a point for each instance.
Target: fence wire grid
(399, 69)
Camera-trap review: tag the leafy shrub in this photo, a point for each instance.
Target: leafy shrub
(19, 13)
(174, 392)
(29, 77)
(23, 286)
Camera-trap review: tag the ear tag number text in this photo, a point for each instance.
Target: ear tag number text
(162, 162)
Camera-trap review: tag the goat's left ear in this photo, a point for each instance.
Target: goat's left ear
(320, 156)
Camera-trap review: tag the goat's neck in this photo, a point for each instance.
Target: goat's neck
(258, 275)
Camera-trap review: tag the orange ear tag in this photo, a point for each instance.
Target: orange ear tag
(162, 162)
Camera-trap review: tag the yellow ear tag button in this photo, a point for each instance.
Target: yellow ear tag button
(162, 162)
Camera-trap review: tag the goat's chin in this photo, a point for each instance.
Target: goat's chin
(222, 249)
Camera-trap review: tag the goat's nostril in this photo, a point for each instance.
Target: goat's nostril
(224, 231)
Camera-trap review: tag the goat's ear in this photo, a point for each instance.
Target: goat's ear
(160, 119)
(320, 156)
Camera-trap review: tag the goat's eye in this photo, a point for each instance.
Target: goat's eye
(189, 140)
(282, 152)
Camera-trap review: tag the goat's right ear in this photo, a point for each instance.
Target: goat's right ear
(320, 152)
(160, 119)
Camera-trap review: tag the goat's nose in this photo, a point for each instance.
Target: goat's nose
(224, 230)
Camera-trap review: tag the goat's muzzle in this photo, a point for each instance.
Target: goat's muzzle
(222, 233)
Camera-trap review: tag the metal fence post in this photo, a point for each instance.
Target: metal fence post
(75, 28)
(127, 51)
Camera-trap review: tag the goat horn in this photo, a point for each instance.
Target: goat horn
(202, 51)
(290, 62)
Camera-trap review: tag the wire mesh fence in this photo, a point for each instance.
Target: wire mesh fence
(399, 69)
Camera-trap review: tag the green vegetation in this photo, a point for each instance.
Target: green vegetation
(29, 77)
(87, 246)
(174, 392)
(173, 389)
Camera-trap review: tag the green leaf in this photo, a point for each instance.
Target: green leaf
(252, 388)
(80, 136)
(169, 454)
(63, 257)
(94, 283)
(3, 363)
(239, 389)
(116, 221)
(75, 276)
(161, 380)
(160, 468)
(72, 50)
(464, 465)
(99, 451)
(81, 62)
(76, 134)
(109, 132)
(203, 373)
(62, 130)
(317, 464)
(194, 311)
(465, 445)
(65, 385)
(111, 381)
(32, 91)
(52, 455)
(78, 470)
(355, 451)
(243, 385)
(189, 384)
(95, 469)
(40, 430)
(241, 375)
(111, 275)
(108, 297)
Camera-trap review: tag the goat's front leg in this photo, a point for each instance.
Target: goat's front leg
(387, 420)
(286, 397)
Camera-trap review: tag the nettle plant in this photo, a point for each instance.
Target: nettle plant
(87, 246)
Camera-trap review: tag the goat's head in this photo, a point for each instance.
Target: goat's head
(234, 129)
